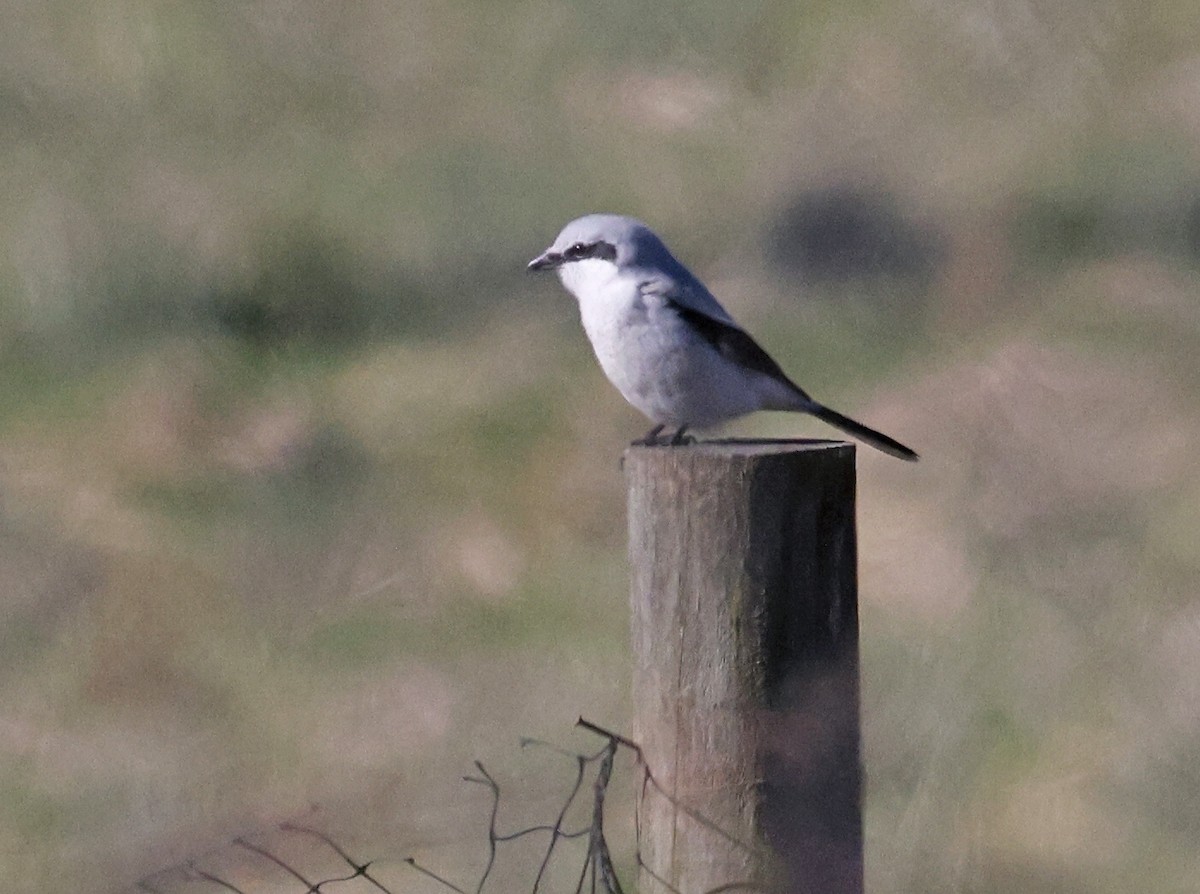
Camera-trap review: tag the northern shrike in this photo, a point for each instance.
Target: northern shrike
(667, 344)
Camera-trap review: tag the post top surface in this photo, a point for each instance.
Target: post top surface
(746, 447)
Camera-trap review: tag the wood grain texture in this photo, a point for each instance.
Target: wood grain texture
(745, 641)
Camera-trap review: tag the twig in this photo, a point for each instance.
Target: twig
(209, 877)
(601, 857)
(556, 833)
(433, 875)
(492, 836)
(360, 869)
(242, 842)
(596, 874)
(609, 734)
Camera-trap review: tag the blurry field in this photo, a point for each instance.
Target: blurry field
(308, 496)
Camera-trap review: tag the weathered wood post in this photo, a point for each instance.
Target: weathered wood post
(745, 641)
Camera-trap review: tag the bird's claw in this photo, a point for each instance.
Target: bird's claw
(655, 438)
(650, 439)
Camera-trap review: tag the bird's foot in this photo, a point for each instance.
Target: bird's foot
(680, 439)
(656, 438)
(650, 439)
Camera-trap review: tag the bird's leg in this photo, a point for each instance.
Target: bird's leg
(650, 439)
(679, 438)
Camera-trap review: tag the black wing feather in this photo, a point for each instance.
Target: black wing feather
(734, 344)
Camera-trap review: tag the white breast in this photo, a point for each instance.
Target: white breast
(652, 356)
(615, 320)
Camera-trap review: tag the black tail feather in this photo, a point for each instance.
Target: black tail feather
(878, 440)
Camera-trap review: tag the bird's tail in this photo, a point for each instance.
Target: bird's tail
(878, 440)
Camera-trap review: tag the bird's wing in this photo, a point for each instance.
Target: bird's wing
(734, 344)
(705, 316)
(685, 291)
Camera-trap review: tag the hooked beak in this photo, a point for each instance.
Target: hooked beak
(547, 260)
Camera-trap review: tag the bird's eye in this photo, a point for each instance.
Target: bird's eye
(577, 251)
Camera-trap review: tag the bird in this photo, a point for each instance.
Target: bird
(666, 343)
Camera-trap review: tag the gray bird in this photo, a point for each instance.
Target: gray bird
(667, 344)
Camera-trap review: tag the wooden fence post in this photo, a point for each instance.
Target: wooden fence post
(745, 641)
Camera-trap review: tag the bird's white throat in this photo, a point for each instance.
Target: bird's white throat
(584, 279)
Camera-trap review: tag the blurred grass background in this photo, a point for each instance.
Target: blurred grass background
(309, 495)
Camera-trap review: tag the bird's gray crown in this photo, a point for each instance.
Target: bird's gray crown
(625, 241)
(635, 243)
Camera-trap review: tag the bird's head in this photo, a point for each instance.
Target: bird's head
(592, 250)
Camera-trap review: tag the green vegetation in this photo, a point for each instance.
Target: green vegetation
(309, 494)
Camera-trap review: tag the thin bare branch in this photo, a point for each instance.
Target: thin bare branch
(583, 874)
(492, 836)
(658, 878)
(193, 869)
(360, 869)
(527, 742)
(554, 830)
(597, 872)
(601, 856)
(433, 875)
(580, 764)
(243, 843)
(609, 734)
(305, 830)
(698, 817)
